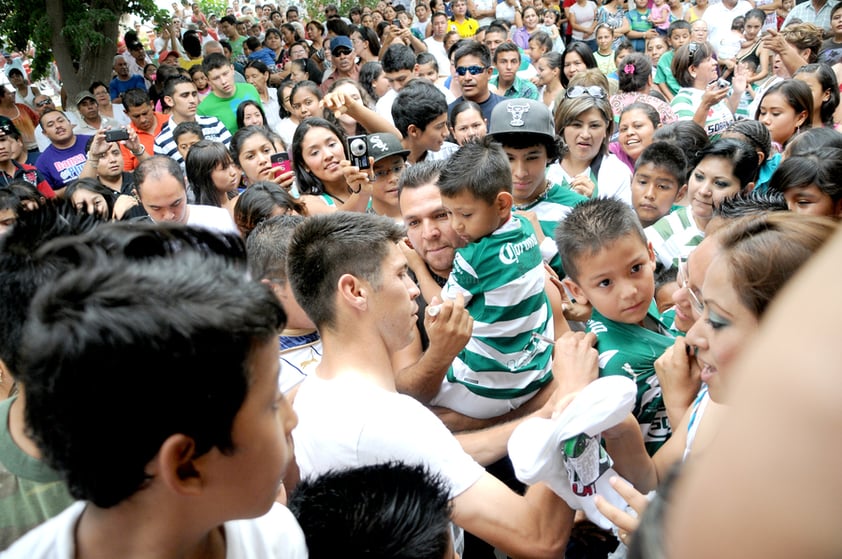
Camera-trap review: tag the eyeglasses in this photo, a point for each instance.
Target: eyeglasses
(473, 70)
(44, 102)
(683, 280)
(342, 52)
(580, 91)
(397, 170)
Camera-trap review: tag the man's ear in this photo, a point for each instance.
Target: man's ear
(413, 131)
(176, 466)
(575, 290)
(353, 291)
(503, 203)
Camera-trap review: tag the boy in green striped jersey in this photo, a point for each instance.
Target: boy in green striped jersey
(500, 273)
(610, 265)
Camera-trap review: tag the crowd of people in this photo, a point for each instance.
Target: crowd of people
(394, 237)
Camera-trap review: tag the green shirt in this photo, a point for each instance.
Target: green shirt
(664, 72)
(226, 109)
(630, 350)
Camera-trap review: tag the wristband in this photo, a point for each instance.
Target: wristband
(141, 152)
(352, 191)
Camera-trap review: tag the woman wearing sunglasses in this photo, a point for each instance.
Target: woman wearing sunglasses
(704, 98)
(585, 122)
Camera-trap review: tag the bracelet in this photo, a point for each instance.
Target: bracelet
(142, 151)
(357, 191)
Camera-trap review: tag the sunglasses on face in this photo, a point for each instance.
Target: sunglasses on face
(342, 52)
(473, 70)
(580, 91)
(44, 103)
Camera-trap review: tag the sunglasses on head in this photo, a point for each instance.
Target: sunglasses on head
(473, 70)
(580, 91)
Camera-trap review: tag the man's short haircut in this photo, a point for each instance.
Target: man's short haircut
(496, 29)
(15, 72)
(135, 97)
(155, 167)
(420, 174)
(473, 48)
(188, 127)
(48, 111)
(338, 27)
(267, 247)
(170, 84)
(384, 510)
(292, 9)
(253, 43)
(506, 47)
(173, 300)
(480, 168)
(228, 19)
(398, 57)
(666, 156)
(325, 247)
(420, 102)
(592, 226)
(438, 14)
(214, 61)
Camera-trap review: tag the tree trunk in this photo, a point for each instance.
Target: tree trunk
(95, 62)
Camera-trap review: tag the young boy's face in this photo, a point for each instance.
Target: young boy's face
(654, 191)
(679, 38)
(262, 440)
(619, 280)
(472, 218)
(185, 142)
(810, 200)
(529, 166)
(433, 136)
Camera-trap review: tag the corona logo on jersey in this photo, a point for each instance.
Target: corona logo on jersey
(510, 252)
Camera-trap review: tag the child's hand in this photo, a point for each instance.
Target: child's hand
(575, 360)
(413, 259)
(678, 373)
(450, 329)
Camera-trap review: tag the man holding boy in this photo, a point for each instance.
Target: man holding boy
(610, 265)
(218, 443)
(350, 276)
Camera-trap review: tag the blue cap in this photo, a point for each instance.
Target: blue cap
(340, 41)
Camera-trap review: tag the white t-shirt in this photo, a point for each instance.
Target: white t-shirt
(348, 423)
(436, 48)
(273, 535)
(210, 217)
(384, 105)
(613, 180)
(719, 19)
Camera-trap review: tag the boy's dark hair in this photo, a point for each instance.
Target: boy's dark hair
(420, 103)
(214, 61)
(21, 274)
(506, 47)
(253, 43)
(385, 510)
(325, 247)
(338, 27)
(170, 84)
(666, 156)
(496, 29)
(480, 168)
(397, 57)
(472, 48)
(135, 97)
(229, 19)
(751, 203)
(135, 300)
(592, 226)
(192, 43)
(188, 127)
(678, 24)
